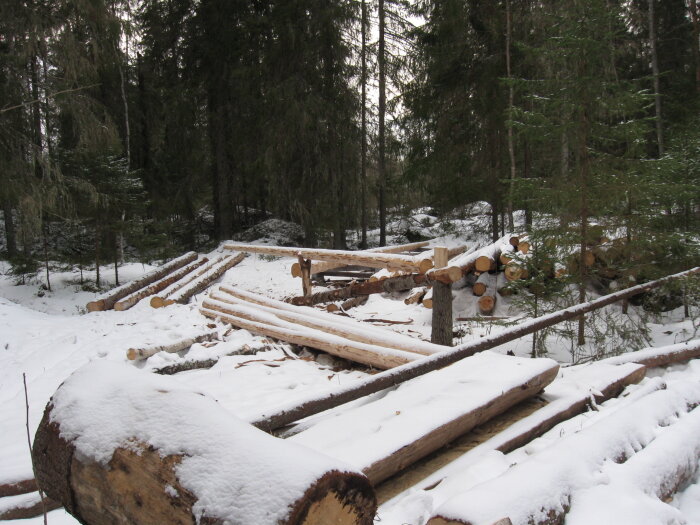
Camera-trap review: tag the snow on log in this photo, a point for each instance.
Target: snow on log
(320, 267)
(24, 506)
(487, 261)
(385, 436)
(568, 465)
(367, 354)
(383, 380)
(347, 304)
(658, 470)
(420, 263)
(159, 300)
(416, 297)
(661, 356)
(134, 354)
(158, 286)
(201, 283)
(117, 445)
(352, 330)
(106, 301)
(18, 487)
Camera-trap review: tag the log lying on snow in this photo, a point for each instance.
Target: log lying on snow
(385, 436)
(18, 487)
(610, 439)
(25, 506)
(367, 354)
(159, 300)
(347, 304)
(117, 445)
(107, 300)
(381, 381)
(320, 267)
(213, 272)
(418, 263)
(316, 320)
(158, 286)
(660, 356)
(178, 346)
(392, 284)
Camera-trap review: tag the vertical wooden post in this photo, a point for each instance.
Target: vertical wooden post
(305, 267)
(442, 304)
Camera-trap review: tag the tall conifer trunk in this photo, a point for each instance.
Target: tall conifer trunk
(656, 74)
(363, 130)
(381, 63)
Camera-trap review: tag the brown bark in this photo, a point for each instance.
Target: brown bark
(137, 484)
(399, 375)
(441, 331)
(157, 286)
(107, 301)
(24, 486)
(30, 511)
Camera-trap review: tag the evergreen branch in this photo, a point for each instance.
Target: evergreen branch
(37, 101)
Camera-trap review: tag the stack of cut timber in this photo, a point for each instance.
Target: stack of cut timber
(107, 300)
(199, 281)
(142, 448)
(339, 336)
(387, 435)
(633, 444)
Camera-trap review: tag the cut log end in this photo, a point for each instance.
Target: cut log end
(484, 264)
(336, 498)
(486, 304)
(157, 302)
(96, 306)
(425, 265)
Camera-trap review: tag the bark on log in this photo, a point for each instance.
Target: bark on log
(441, 324)
(370, 355)
(418, 263)
(397, 376)
(106, 301)
(29, 508)
(178, 346)
(350, 436)
(159, 301)
(205, 280)
(353, 331)
(347, 305)
(158, 286)
(155, 475)
(661, 356)
(389, 285)
(18, 487)
(321, 267)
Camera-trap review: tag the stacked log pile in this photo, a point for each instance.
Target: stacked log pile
(174, 282)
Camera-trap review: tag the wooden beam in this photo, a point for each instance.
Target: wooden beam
(418, 263)
(409, 424)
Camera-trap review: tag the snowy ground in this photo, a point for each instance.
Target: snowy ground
(46, 336)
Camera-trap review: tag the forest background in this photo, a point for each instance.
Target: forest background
(143, 128)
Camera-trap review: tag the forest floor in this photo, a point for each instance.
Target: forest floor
(46, 335)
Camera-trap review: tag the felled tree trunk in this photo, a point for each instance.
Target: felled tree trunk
(154, 470)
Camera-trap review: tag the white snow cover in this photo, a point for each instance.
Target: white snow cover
(366, 434)
(228, 465)
(652, 353)
(570, 464)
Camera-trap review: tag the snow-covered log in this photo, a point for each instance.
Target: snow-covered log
(416, 297)
(158, 286)
(201, 283)
(24, 506)
(569, 465)
(106, 301)
(17, 487)
(320, 267)
(420, 263)
(381, 381)
(481, 284)
(159, 300)
(117, 445)
(424, 414)
(352, 330)
(178, 346)
(372, 355)
(661, 356)
(487, 301)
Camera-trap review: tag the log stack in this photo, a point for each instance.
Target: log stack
(143, 449)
